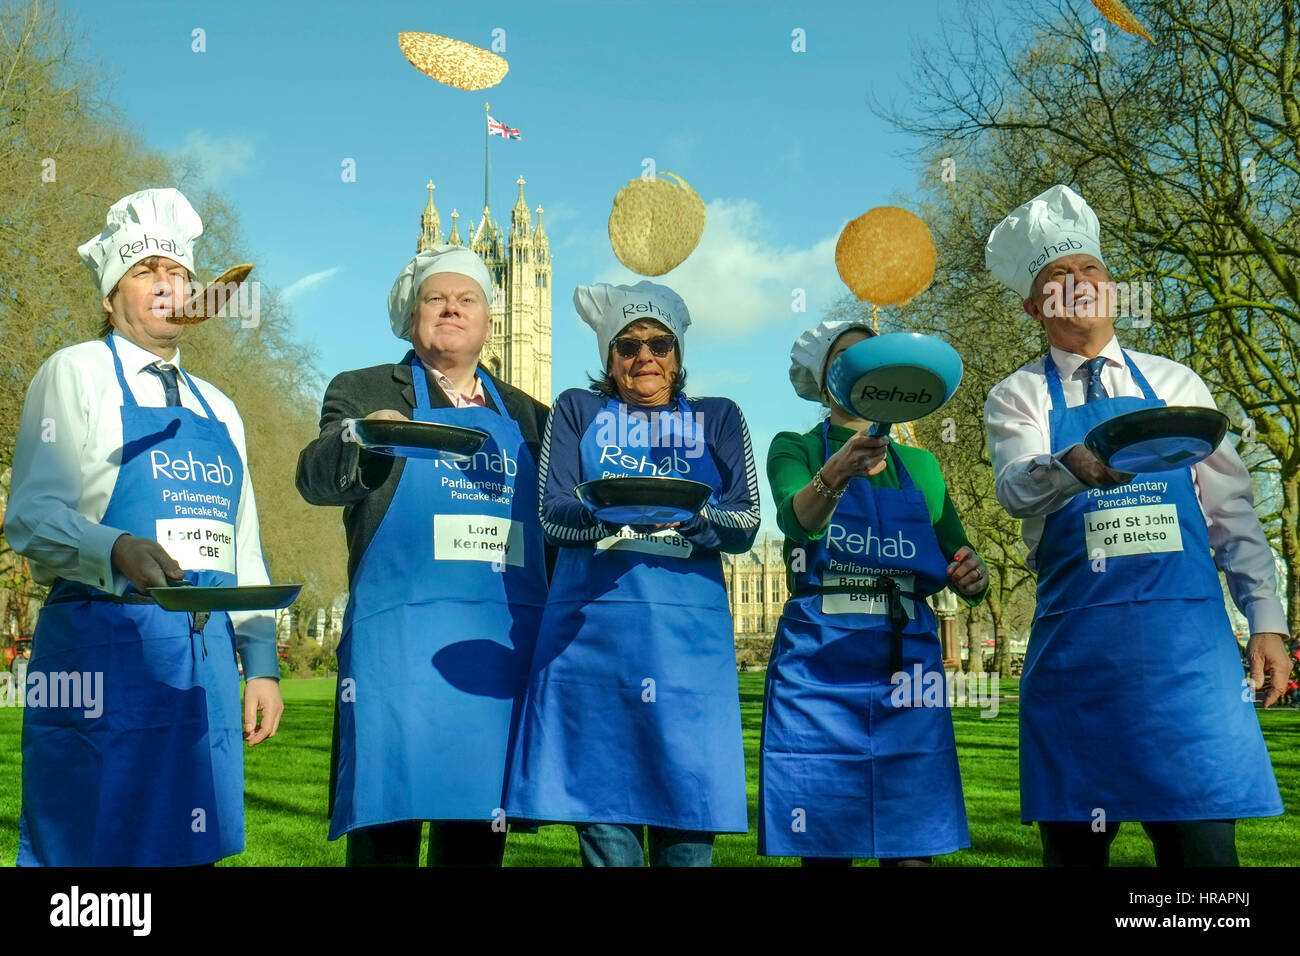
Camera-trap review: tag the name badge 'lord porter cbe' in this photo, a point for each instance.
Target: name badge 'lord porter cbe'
(478, 538)
(199, 542)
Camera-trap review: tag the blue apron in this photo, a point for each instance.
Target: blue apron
(633, 709)
(845, 770)
(1131, 702)
(157, 777)
(439, 629)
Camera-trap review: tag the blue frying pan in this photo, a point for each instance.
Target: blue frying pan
(897, 377)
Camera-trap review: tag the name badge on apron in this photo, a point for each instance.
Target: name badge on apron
(666, 542)
(864, 603)
(199, 544)
(1143, 529)
(478, 538)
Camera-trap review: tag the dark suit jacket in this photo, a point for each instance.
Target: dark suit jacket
(332, 471)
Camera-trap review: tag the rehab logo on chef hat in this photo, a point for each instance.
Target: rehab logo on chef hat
(609, 309)
(150, 222)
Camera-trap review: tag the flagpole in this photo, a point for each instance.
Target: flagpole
(487, 140)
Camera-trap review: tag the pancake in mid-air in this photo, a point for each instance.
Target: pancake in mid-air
(452, 62)
(655, 224)
(212, 298)
(886, 256)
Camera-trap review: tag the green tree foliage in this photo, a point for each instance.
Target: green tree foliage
(65, 157)
(1189, 151)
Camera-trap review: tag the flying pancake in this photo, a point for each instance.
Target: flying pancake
(886, 256)
(1122, 17)
(655, 224)
(210, 300)
(452, 62)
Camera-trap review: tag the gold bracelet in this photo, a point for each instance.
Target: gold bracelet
(825, 490)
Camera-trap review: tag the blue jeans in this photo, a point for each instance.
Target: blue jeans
(618, 844)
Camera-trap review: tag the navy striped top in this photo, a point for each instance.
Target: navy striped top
(730, 525)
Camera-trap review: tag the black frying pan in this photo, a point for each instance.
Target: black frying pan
(418, 439)
(1158, 439)
(643, 501)
(184, 596)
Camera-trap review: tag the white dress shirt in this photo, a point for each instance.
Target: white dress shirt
(1032, 483)
(454, 395)
(66, 464)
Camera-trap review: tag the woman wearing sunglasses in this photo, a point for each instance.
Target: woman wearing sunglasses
(858, 757)
(632, 716)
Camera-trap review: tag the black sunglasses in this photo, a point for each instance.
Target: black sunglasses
(660, 346)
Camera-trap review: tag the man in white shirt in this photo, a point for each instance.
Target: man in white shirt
(1133, 704)
(119, 446)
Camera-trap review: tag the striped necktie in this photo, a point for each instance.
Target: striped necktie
(168, 375)
(1095, 389)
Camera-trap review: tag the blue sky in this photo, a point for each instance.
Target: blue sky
(781, 145)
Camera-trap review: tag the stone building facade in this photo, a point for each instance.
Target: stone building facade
(756, 587)
(519, 351)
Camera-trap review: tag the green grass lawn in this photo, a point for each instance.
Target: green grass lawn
(287, 777)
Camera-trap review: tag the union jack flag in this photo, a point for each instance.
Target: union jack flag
(501, 129)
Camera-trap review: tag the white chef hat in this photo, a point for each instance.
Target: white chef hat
(402, 297)
(808, 356)
(609, 309)
(151, 222)
(1053, 224)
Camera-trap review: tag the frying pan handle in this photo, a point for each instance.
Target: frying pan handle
(183, 582)
(880, 429)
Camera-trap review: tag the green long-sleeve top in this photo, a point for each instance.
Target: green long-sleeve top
(793, 458)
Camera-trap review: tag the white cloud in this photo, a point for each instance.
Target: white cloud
(742, 276)
(307, 283)
(219, 157)
(553, 213)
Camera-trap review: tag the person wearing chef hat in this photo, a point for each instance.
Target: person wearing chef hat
(130, 474)
(440, 622)
(632, 717)
(852, 763)
(1132, 704)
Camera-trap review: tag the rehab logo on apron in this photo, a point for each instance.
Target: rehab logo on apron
(158, 779)
(439, 631)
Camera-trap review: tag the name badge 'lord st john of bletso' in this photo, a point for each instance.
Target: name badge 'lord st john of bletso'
(1123, 522)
